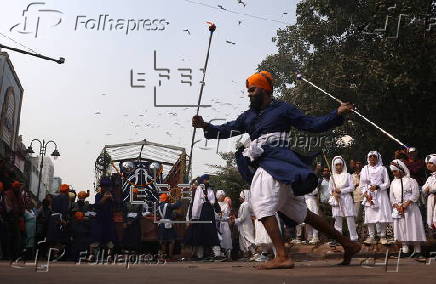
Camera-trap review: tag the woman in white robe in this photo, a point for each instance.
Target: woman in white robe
(224, 228)
(404, 193)
(374, 182)
(429, 189)
(341, 187)
(245, 224)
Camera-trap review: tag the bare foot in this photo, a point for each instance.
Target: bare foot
(349, 252)
(277, 263)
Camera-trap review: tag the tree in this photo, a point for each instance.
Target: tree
(228, 178)
(388, 71)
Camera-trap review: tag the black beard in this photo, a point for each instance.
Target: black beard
(256, 103)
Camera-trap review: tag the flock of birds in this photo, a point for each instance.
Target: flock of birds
(188, 32)
(182, 118)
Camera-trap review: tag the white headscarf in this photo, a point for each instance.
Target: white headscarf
(246, 194)
(431, 159)
(340, 179)
(220, 193)
(379, 158)
(400, 166)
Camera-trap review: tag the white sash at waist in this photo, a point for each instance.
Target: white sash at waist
(253, 149)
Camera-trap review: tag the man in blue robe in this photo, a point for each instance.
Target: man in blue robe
(279, 177)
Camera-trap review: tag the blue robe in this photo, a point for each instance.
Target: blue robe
(279, 161)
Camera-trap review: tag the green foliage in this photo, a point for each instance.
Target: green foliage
(228, 178)
(390, 78)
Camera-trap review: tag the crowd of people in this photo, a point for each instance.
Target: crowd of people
(366, 193)
(400, 196)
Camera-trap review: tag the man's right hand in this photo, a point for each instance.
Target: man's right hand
(198, 122)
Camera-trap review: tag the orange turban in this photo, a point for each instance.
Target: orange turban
(2, 186)
(262, 79)
(79, 215)
(163, 197)
(16, 184)
(64, 188)
(135, 191)
(82, 195)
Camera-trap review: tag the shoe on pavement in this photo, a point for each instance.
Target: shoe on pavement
(296, 241)
(261, 258)
(370, 241)
(313, 241)
(383, 241)
(253, 258)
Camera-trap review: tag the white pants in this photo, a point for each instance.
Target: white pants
(372, 229)
(351, 226)
(311, 233)
(199, 251)
(268, 196)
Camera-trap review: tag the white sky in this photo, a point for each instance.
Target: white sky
(60, 101)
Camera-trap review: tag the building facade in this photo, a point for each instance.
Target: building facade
(12, 152)
(47, 177)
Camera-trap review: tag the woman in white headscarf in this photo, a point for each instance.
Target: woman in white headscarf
(341, 187)
(404, 193)
(429, 189)
(374, 182)
(223, 218)
(245, 224)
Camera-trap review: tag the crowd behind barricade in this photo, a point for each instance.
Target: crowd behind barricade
(379, 204)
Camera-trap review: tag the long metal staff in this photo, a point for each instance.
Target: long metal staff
(212, 28)
(300, 77)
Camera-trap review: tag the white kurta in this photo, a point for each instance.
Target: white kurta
(260, 235)
(323, 191)
(410, 228)
(226, 234)
(430, 188)
(312, 201)
(346, 205)
(245, 227)
(376, 176)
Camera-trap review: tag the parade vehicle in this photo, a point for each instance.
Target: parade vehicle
(140, 172)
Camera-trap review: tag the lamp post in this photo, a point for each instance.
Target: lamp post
(42, 152)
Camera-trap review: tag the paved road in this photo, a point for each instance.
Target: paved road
(225, 272)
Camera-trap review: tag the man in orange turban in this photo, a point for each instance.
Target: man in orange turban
(64, 188)
(16, 184)
(279, 177)
(164, 197)
(82, 195)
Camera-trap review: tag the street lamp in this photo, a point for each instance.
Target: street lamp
(42, 151)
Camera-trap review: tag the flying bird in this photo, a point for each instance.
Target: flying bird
(97, 112)
(230, 42)
(169, 134)
(239, 23)
(222, 8)
(189, 33)
(172, 113)
(243, 3)
(103, 94)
